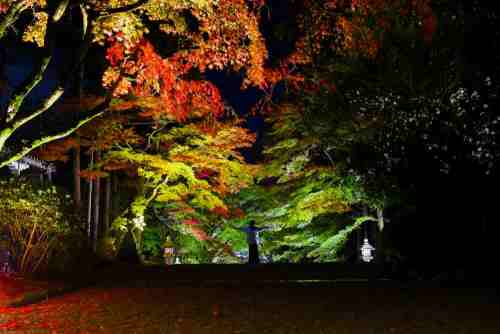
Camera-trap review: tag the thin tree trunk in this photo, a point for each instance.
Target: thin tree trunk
(89, 211)
(107, 204)
(77, 189)
(97, 197)
(380, 251)
(115, 210)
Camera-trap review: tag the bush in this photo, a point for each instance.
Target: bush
(37, 224)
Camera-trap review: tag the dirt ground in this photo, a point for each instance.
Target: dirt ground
(145, 306)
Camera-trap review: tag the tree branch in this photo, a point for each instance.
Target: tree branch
(45, 140)
(12, 16)
(44, 106)
(18, 98)
(60, 10)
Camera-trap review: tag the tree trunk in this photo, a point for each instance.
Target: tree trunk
(97, 197)
(115, 209)
(379, 242)
(107, 205)
(77, 189)
(359, 243)
(89, 211)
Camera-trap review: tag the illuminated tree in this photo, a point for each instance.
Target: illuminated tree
(212, 35)
(162, 109)
(200, 36)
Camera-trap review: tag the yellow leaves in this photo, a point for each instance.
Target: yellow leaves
(205, 199)
(172, 193)
(125, 27)
(110, 78)
(35, 33)
(234, 138)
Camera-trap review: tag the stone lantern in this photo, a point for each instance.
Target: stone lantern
(169, 252)
(366, 251)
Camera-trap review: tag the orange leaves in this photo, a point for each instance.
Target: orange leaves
(103, 133)
(113, 165)
(92, 174)
(57, 150)
(358, 39)
(159, 85)
(230, 37)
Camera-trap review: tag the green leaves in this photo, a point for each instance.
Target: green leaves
(38, 222)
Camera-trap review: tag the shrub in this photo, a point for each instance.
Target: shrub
(37, 225)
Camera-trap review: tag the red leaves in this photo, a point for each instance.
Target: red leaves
(191, 222)
(238, 213)
(204, 174)
(429, 27)
(199, 234)
(196, 231)
(115, 53)
(4, 7)
(222, 212)
(160, 79)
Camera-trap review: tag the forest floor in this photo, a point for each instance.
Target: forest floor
(130, 304)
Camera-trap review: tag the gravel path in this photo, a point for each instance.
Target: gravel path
(288, 308)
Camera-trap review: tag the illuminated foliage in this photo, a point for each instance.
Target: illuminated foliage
(187, 172)
(36, 32)
(311, 203)
(38, 223)
(211, 35)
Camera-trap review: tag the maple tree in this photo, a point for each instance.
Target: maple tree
(185, 169)
(214, 35)
(211, 35)
(161, 89)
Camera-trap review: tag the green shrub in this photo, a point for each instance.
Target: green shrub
(38, 225)
(153, 238)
